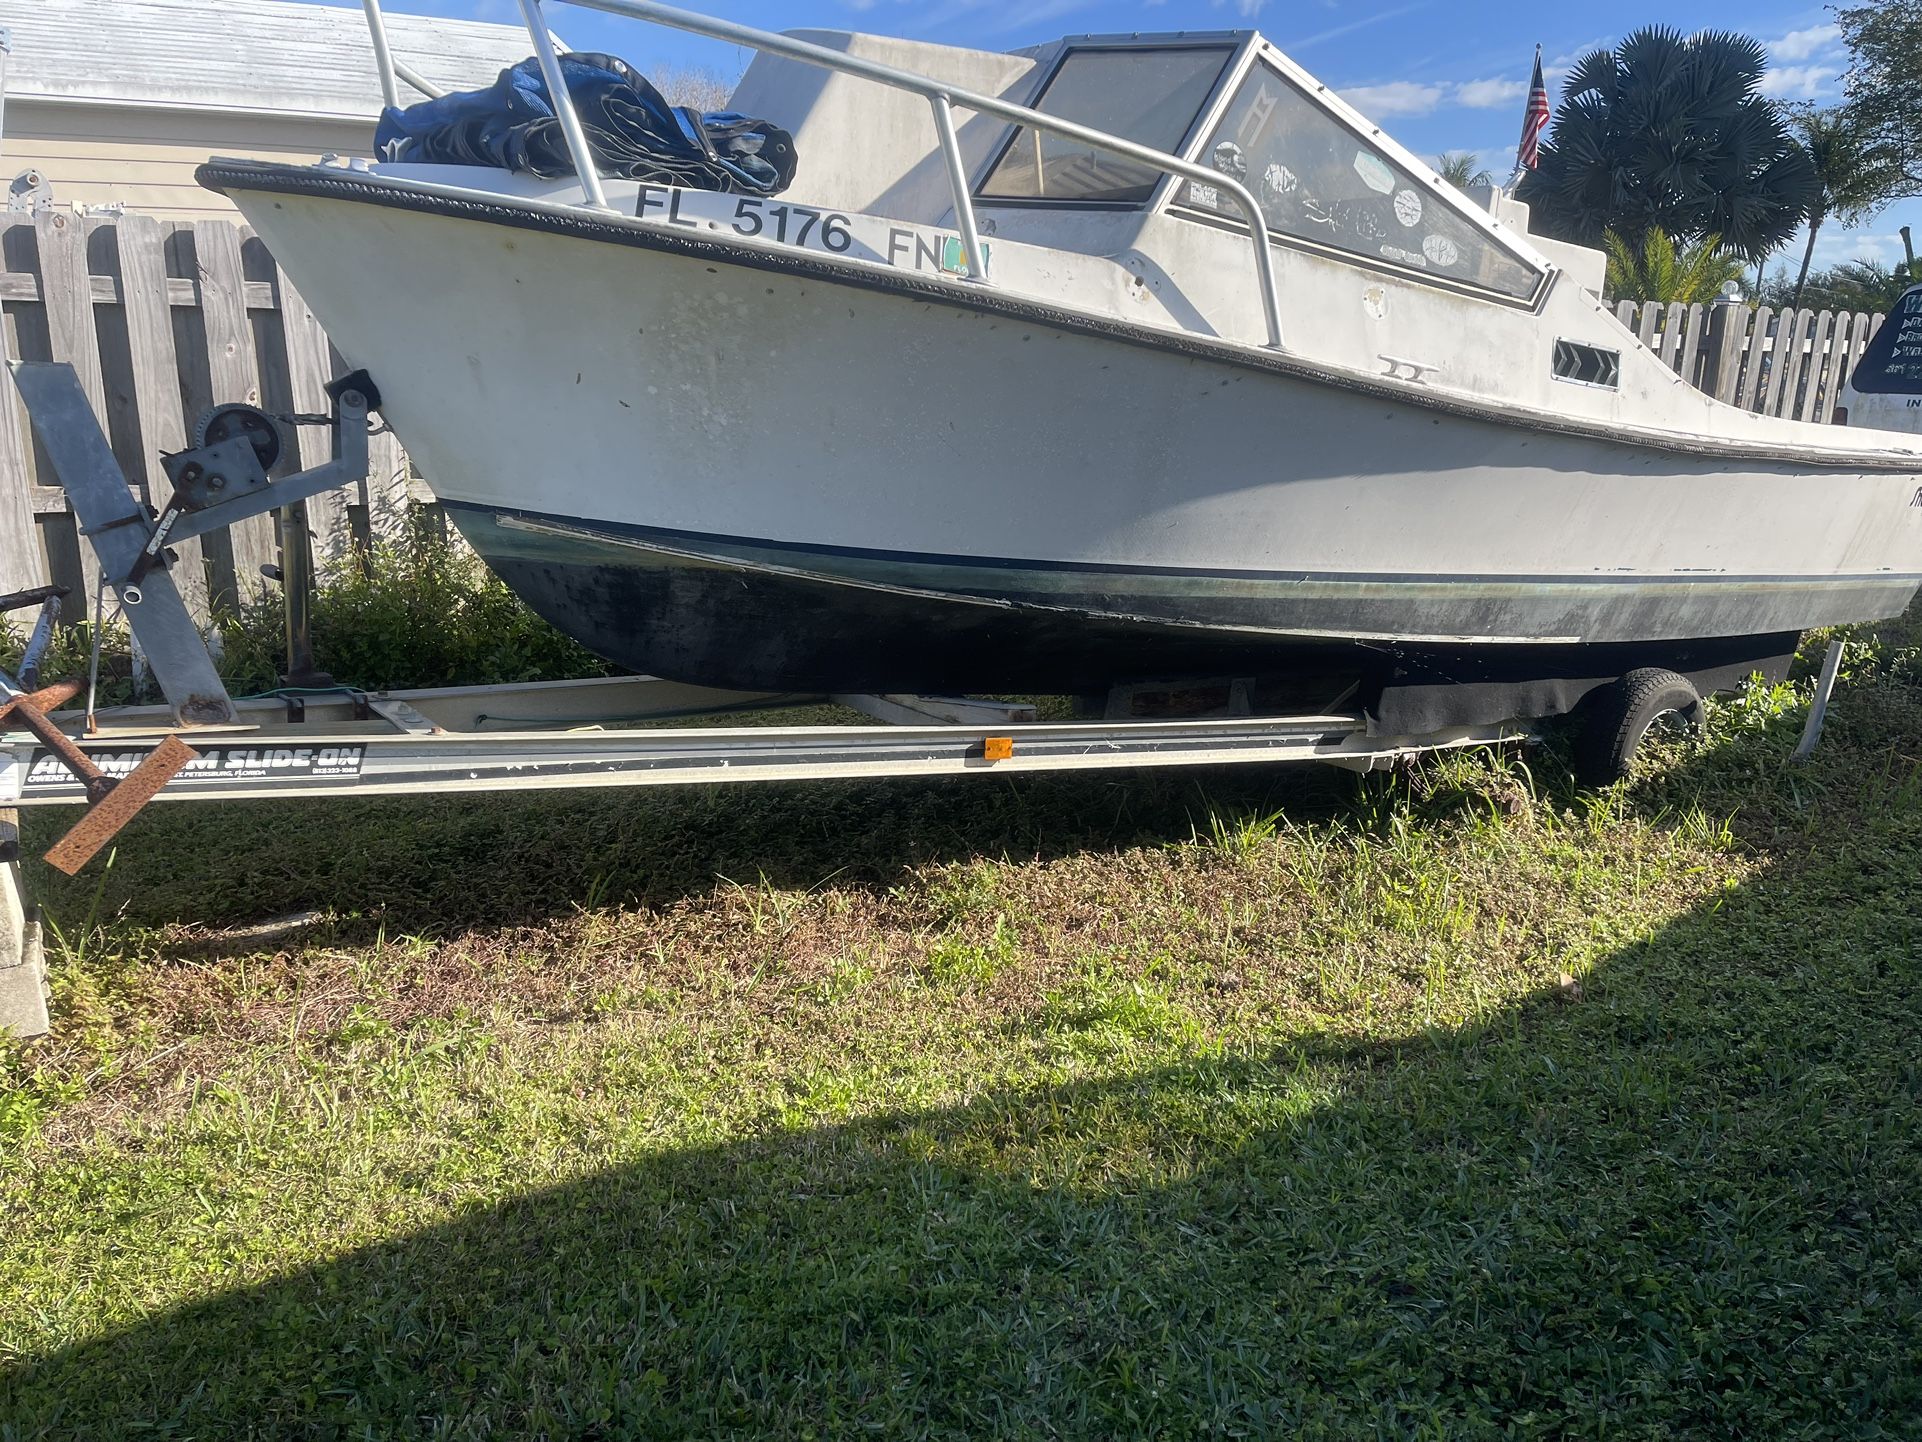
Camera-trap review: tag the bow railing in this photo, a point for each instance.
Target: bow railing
(942, 100)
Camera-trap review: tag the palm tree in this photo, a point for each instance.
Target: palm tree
(1462, 169)
(1670, 133)
(1660, 270)
(1855, 175)
(1853, 285)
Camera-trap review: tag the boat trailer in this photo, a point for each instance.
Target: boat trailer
(304, 743)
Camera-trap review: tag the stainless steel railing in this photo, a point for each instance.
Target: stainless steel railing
(388, 66)
(941, 98)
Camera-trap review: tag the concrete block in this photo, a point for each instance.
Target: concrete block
(23, 967)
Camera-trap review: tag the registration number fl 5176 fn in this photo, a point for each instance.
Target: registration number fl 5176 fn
(808, 227)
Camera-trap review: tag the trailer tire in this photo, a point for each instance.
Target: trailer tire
(1618, 716)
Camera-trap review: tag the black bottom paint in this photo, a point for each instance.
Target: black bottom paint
(752, 630)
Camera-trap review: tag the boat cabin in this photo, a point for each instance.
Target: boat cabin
(1329, 182)
(1381, 266)
(1375, 266)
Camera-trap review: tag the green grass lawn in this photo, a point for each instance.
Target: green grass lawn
(1239, 1104)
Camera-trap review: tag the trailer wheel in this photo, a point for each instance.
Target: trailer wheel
(1618, 716)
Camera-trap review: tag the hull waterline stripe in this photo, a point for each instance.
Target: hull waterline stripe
(226, 175)
(688, 542)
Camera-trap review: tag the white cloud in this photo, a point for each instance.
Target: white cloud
(1321, 36)
(1801, 44)
(1566, 61)
(1397, 97)
(1818, 45)
(1490, 94)
(1833, 246)
(1799, 82)
(1498, 162)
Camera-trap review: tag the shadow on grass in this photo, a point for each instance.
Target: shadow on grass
(405, 863)
(1687, 1204)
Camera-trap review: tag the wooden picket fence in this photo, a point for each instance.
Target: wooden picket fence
(1789, 363)
(162, 320)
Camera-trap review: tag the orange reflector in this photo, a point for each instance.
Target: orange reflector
(997, 748)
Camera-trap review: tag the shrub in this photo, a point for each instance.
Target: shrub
(423, 612)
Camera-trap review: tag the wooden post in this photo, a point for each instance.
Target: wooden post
(1722, 347)
(234, 377)
(1841, 361)
(1672, 335)
(233, 370)
(22, 561)
(1812, 369)
(1788, 339)
(309, 361)
(159, 421)
(1758, 358)
(1793, 362)
(66, 295)
(1691, 363)
(1645, 332)
(23, 985)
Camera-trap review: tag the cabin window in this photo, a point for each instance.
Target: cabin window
(1319, 182)
(1148, 96)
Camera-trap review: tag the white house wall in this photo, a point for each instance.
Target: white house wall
(143, 160)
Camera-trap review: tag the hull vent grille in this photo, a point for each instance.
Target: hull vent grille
(1587, 365)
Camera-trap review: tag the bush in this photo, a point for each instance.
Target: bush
(424, 612)
(67, 657)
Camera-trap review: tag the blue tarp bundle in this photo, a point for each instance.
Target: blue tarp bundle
(632, 129)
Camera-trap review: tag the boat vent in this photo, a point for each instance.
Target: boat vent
(1587, 365)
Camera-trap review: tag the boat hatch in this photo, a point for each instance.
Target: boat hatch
(1325, 186)
(1152, 95)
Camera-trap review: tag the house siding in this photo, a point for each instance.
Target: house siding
(144, 159)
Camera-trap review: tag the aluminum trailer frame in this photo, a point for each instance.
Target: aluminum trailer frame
(401, 750)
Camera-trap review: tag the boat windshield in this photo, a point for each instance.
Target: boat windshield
(1320, 182)
(1150, 96)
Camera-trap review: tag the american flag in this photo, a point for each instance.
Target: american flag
(1534, 120)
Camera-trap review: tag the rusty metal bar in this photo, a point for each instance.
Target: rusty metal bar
(47, 698)
(110, 804)
(26, 713)
(118, 804)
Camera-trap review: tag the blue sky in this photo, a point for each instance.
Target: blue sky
(1437, 76)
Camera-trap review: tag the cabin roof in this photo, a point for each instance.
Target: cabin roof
(269, 57)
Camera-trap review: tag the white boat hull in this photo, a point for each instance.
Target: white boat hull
(634, 427)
